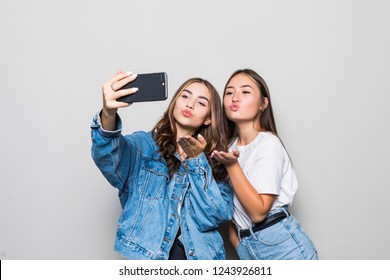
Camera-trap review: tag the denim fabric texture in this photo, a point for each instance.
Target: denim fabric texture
(286, 240)
(153, 205)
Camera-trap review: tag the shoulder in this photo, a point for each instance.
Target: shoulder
(269, 144)
(268, 138)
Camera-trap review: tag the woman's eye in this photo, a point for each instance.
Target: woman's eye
(184, 96)
(245, 92)
(202, 104)
(228, 93)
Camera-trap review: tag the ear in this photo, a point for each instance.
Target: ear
(207, 121)
(264, 105)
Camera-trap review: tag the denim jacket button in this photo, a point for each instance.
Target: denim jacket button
(191, 253)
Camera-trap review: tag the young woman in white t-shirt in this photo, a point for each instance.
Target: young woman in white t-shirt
(261, 174)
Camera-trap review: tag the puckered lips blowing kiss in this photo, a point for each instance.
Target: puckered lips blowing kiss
(234, 107)
(187, 113)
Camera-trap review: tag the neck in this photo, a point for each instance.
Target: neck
(246, 133)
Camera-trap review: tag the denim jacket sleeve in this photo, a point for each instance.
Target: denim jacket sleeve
(211, 202)
(107, 150)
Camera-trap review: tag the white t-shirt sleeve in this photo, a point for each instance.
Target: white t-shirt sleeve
(267, 171)
(266, 174)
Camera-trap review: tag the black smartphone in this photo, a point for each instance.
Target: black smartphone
(151, 87)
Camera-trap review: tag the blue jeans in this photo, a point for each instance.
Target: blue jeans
(177, 251)
(285, 240)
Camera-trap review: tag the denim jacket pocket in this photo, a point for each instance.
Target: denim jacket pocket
(214, 242)
(153, 178)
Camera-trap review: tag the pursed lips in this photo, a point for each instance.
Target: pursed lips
(187, 113)
(234, 107)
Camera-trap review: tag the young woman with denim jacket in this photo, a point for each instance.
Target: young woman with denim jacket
(261, 174)
(173, 195)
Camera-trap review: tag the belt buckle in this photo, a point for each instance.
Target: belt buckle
(244, 233)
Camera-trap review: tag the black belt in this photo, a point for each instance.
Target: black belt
(267, 222)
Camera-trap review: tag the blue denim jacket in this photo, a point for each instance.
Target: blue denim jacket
(153, 205)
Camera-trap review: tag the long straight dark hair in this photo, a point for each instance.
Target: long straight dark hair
(266, 118)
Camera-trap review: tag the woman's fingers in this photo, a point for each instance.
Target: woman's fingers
(201, 140)
(187, 140)
(117, 77)
(124, 92)
(191, 146)
(112, 91)
(198, 141)
(236, 153)
(224, 157)
(217, 155)
(117, 85)
(116, 82)
(185, 143)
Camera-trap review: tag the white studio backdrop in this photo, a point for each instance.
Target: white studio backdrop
(326, 64)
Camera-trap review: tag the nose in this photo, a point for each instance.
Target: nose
(235, 97)
(190, 105)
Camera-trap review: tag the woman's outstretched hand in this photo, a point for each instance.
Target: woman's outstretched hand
(193, 147)
(112, 91)
(226, 158)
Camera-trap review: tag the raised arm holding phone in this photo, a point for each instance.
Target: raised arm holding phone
(173, 194)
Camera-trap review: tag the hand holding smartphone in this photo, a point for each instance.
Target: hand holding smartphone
(151, 87)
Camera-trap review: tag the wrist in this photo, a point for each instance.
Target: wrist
(109, 113)
(194, 155)
(108, 120)
(231, 166)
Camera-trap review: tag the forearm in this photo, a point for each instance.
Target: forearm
(107, 148)
(233, 237)
(108, 119)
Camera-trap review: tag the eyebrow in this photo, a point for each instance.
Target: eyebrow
(200, 96)
(240, 86)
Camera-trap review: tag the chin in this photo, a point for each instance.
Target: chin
(187, 124)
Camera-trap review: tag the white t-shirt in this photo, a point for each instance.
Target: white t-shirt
(268, 168)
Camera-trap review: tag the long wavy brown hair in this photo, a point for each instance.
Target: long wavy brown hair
(165, 133)
(266, 118)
